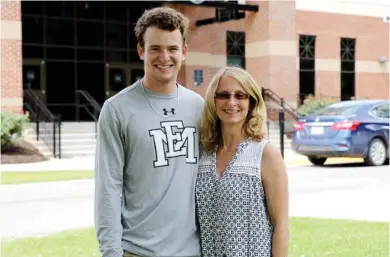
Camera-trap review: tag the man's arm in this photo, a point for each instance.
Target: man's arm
(109, 165)
(275, 182)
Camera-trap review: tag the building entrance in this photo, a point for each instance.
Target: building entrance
(34, 77)
(80, 45)
(119, 76)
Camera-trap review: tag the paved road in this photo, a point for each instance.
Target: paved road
(349, 191)
(346, 191)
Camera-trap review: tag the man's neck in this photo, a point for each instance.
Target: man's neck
(158, 87)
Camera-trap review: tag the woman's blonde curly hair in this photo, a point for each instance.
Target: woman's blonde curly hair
(254, 127)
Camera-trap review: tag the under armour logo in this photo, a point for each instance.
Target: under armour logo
(172, 111)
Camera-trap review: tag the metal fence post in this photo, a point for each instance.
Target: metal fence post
(77, 106)
(38, 113)
(54, 137)
(59, 136)
(281, 130)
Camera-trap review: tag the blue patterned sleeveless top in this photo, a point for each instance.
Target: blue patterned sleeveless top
(232, 210)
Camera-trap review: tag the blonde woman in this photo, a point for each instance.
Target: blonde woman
(242, 186)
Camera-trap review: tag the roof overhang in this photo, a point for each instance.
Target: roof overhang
(220, 4)
(235, 10)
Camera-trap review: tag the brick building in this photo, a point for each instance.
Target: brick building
(337, 48)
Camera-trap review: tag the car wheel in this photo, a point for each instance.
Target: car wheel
(317, 160)
(377, 153)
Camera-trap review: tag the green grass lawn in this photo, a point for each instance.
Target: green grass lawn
(43, 176)
(309, 238)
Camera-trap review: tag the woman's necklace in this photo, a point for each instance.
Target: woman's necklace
(172, 111)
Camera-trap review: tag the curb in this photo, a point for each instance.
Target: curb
(297, 163)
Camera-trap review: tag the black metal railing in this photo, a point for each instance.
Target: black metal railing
(47, 125)
(269, 94)
(86, 102)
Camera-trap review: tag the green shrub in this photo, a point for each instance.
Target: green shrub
(12, 128)
(312, 104)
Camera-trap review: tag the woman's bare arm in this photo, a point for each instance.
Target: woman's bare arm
(275, 183)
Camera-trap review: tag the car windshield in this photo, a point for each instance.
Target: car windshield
(339, 109)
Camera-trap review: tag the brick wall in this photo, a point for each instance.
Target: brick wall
(274, 69)
(11, 56)
(272, 48)
(372, 42)
(209, 39)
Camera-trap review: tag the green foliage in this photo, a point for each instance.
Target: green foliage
(12, 127)
(312, 104)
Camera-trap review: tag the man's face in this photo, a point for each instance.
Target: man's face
(162, 54)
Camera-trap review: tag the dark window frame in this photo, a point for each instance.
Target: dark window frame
(307, 47)
(235, 46)
(347, 65)
(73, 17)
(307, 50)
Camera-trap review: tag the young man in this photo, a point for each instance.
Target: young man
(147, 151)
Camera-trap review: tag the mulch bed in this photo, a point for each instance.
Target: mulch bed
(22, 152)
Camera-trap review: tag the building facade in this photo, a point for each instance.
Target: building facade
(335, 48)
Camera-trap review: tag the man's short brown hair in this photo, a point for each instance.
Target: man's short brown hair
(164, 18)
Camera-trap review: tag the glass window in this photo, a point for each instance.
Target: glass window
(132, 38)
(136, 10)
(306, 64)
(90, 55)
(235, 43)
(117, 79)
(347, 85)
(235, 47)
(381, 111)
(347, 49)
(60, 53)
(32, 51)
(198, 76)
(90, 34)
(136, 74)
(307, 46)
(90, 77)
(116, 11)
(116, 36)
(60, 77)
(347, 66)
(32, 7)
(134, 57)
(90, 10)
(306, 84)
(32, 76)
(60, 8)
(339, 109)
(59, 32)
(236, 61)
(32, 30)
(116, 56)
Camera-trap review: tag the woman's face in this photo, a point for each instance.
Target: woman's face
(231, 101)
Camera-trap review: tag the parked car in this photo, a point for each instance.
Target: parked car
(356, 128)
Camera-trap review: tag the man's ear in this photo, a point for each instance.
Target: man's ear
(140, 52)
(185, 48)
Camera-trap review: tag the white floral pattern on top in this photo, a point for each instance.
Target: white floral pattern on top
(232, 210)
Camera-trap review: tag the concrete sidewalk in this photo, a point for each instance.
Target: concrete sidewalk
(291, 159)
(79, 163)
